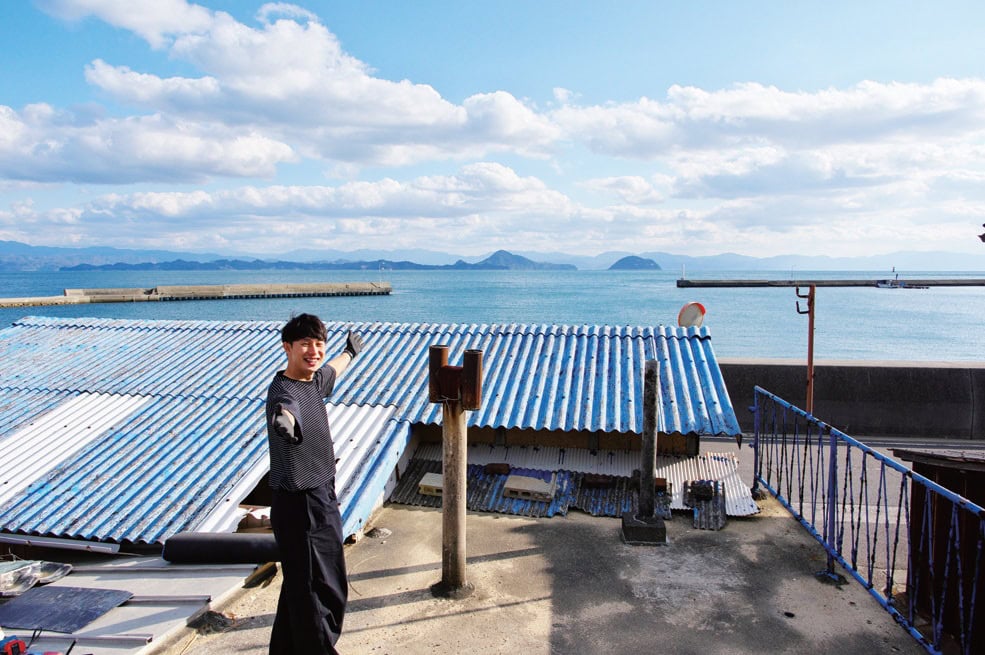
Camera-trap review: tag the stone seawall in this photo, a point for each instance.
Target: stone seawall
(898, 399)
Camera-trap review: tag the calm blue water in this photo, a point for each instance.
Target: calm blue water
(937, 324)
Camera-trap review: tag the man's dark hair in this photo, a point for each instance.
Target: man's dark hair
(303, 326)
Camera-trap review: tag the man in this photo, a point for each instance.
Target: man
(305, 512)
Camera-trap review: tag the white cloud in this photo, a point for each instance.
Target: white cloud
(642, 130)
(500, 118)
(290, 79)
(803, 173)
(284, 9)
(43, 144)
(751, 115)
(633, 189)
(752, 164)
(481, 200)
(486, 205)
(477, 188)
(759, 169)
(563, 96)
(174, 93)
(154, 21)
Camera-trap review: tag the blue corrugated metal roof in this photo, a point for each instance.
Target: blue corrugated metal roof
(158, 468)
(168, 464)
(550, 377)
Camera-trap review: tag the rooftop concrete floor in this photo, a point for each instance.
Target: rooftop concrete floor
(570, 585)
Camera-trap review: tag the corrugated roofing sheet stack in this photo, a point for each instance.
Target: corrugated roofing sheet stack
(485, 491)
(173, 420)
(572, 464)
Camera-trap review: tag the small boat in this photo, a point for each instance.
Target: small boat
(896, 283)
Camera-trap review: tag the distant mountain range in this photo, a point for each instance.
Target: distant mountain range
(16, 256)
(500, 260)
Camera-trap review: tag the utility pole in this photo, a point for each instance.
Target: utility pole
(810, 344)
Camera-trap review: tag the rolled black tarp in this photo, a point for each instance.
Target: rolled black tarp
(221, 548)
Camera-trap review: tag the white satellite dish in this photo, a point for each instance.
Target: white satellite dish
(691, 315)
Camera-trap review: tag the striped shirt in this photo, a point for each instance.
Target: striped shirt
(311, 462)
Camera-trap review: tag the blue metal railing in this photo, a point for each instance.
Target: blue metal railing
(917, 547)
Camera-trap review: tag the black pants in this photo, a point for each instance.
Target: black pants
(308, 530)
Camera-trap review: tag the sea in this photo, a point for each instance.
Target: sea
(939, 324)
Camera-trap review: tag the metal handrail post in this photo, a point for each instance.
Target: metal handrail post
(832, 499)
(756, 423)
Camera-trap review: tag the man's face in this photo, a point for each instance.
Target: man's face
(304, 357)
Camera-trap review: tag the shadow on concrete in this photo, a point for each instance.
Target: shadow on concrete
(750, 587)
(435, 566)
(463, 612)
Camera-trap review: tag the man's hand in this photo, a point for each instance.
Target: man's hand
(353, 344)
(283, 424)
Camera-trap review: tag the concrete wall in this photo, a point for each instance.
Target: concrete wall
(900, 399)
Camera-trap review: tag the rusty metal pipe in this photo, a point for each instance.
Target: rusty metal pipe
(450, 383)
(437, 359)
(472, 380)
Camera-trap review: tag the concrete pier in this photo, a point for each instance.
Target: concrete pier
(205, 292)
(908, 283)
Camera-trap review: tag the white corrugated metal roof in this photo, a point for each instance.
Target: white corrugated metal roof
(31, 452)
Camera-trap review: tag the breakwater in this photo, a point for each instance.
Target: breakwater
(894, 399)
(204, 292)
(884, 282)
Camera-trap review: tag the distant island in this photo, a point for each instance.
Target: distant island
(501, 260)
(634, 263)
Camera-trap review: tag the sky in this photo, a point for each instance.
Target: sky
(698, 128)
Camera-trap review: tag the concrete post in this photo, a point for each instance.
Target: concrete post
(645, 527)
(454, 472)
(648, 464)
(457, 388)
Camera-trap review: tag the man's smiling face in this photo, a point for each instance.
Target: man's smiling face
(304, 357)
